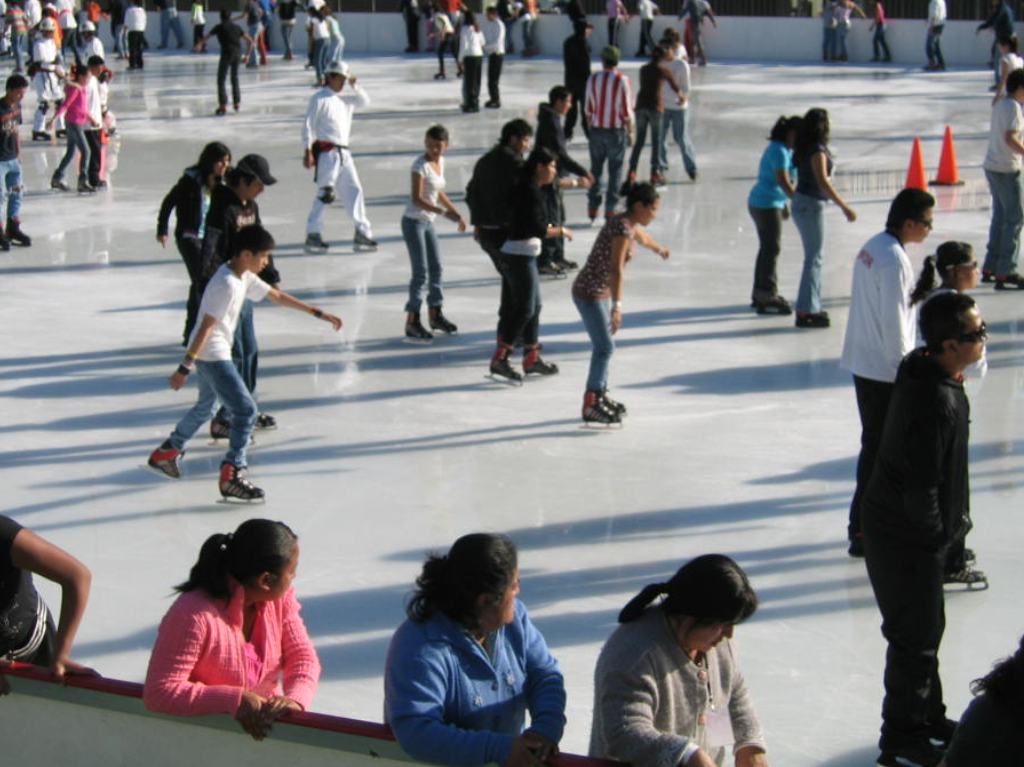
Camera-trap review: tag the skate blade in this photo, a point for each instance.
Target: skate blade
(966, 587)
(555, 277)
(594, 426)
(242, 501)
(417, 341)
(503, 380)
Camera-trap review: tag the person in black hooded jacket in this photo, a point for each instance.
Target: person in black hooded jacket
(189, 199)
(576, 60)
(914, 508)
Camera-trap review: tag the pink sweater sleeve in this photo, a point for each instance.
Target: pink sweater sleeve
(74, 105)
(169, 688)
(301, 666)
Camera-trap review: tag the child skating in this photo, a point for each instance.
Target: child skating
(209, 356)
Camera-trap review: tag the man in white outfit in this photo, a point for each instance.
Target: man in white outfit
(325, 136)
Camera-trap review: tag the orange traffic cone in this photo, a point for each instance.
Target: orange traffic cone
(949, 174)
(916, 178)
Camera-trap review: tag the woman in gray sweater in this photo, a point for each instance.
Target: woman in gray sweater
(667, 688)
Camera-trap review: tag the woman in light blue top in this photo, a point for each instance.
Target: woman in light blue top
(768, 204)
(468, 664)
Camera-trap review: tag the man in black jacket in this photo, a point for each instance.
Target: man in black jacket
(551, 136)
(489, 191)
(576, 58)
(914, 508)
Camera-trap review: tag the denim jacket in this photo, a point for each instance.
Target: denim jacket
(449, 703)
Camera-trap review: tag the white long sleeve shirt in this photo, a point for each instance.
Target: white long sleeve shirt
(92, 48)
(33, 13)
(494, 37)
(680, 69)
(94, 101)
(471, 42)
(880, 330)
(329, 115)
(135, 19)
(936, 13)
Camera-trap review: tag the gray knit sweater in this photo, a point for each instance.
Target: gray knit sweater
(651, 700)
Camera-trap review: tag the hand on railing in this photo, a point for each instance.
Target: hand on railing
(63, 667)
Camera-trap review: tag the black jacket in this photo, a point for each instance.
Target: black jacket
(227, 214)
(576, 58)
(529, 212)
(551, 136)
(490, 190)
(919, 494)
(186, 200)
(1000, 20)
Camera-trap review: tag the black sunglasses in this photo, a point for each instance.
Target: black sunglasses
(975, 335)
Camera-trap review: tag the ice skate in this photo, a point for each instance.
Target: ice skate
(59, 185)
(362, 242)
(235, 487)
(616, 407)
(166, 459)
(219, 429)
(265, 422)
(533, 365)
(84, 187)
(315, 243)
(439, 322)
(415, 332)
(501, 368)
(551, 269)
(966, 579)
(597, 412)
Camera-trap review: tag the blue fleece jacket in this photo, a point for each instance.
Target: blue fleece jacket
(449, 703)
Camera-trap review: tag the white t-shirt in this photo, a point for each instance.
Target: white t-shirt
(432, 184)
(494, 36)
(680, 69)
(33, 12)
(135, 19)
(937, 12)
(1012, 61)
(1006, 116)
(223, 300)
(647, 10)
(471, 42)
(881, 325)
(319, 28)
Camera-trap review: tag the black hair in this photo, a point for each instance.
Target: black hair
(814, 131)
(558, 93)
(1005, 682)
(513, 129)
(711, 589)
(939, 268)
(438, 133)
(1010, 42)
(780, 131)
(670, 35)
(908, 205)
(943, 318)
(1014, 81)
(643, 193)
(258, 546)
(212, 154)
(254, 239)
(478, 564)
(235, 177)
(539, 156)
(225, 15)
(468, 17)
(658, 53)
(95, 61)
(15, 81)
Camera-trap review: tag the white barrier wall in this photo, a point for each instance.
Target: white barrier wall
(102, 723)
(738, 38)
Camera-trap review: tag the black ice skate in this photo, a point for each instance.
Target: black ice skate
(616, 407)
(219, 429)
(235, 487)
(597, 411)
(84, 187)
(315, 243)
(362, 242)
(502, 368)
(967, 578)
(414, 330)
(15, 235)
(59, 185)
(439, 322)
(265, 422)
(167, 460)
(533, 365)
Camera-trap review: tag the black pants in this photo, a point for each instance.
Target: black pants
(872, 405)
(552, 248)
(768, 222)
(494, 62)
(646, 36)
(224, 65)
(447, 45)
(613, 27)
(412, 30)
(472, 71)
(92, 137)
(491, 241)
(521, 318)
(579, 93)
(191, 250)
(135, 41)
(197, 34)
(908, 588)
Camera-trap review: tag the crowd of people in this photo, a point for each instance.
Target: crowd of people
(468, 665)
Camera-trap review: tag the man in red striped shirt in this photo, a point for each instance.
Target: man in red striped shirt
(609, 112)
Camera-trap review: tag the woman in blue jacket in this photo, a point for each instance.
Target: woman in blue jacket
(468, 664)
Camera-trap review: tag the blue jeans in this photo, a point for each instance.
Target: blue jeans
(828, 44)
(335, 50)
(171, 22)
(528, 41)
(645, 117)
(254, 33)
(245, 353)
(320, 58)
(220, 381)
(931, 46)
(509, 24)
(1007, 218)
(678, 121)
(19, 42)
(809, 217)
(606, 144)
(841, 32)
(425, 259)
(10, 190)
(76, 140)
(286, 36)
(597, 319)
(880, 47)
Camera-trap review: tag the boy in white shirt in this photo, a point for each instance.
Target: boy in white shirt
(648, 10)
(209, 354)
(135, 23)
(494, 46)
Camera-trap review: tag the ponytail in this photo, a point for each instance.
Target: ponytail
(925, 283)
(258, 546)
(636, 606)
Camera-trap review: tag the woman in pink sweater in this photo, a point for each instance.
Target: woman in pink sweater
(76, 107)
(233, 642)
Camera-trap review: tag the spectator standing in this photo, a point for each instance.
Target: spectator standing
(170, 22)
(829, 23)
(936, 23)
(471, 55)
(135, 23)
(576, 63)
(286, 16)
(844, 11)
(647, 11)
(609, 113)
(527, 20)
(116, 11)
(618, 16)
(411, 16)
(879, 46)
(494, 47)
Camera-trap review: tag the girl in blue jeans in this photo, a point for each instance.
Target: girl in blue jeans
(597, 293)
(427, 200)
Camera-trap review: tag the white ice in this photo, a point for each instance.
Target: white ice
(741, 438)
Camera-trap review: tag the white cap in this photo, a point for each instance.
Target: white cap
(48, 25)
(337, 68)
(88, 26)
(316, 5)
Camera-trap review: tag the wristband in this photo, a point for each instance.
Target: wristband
(190, 357)
(617, 306)
(184, 370)
(318, 314)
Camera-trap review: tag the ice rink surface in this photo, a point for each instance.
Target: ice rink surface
(742, 434)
